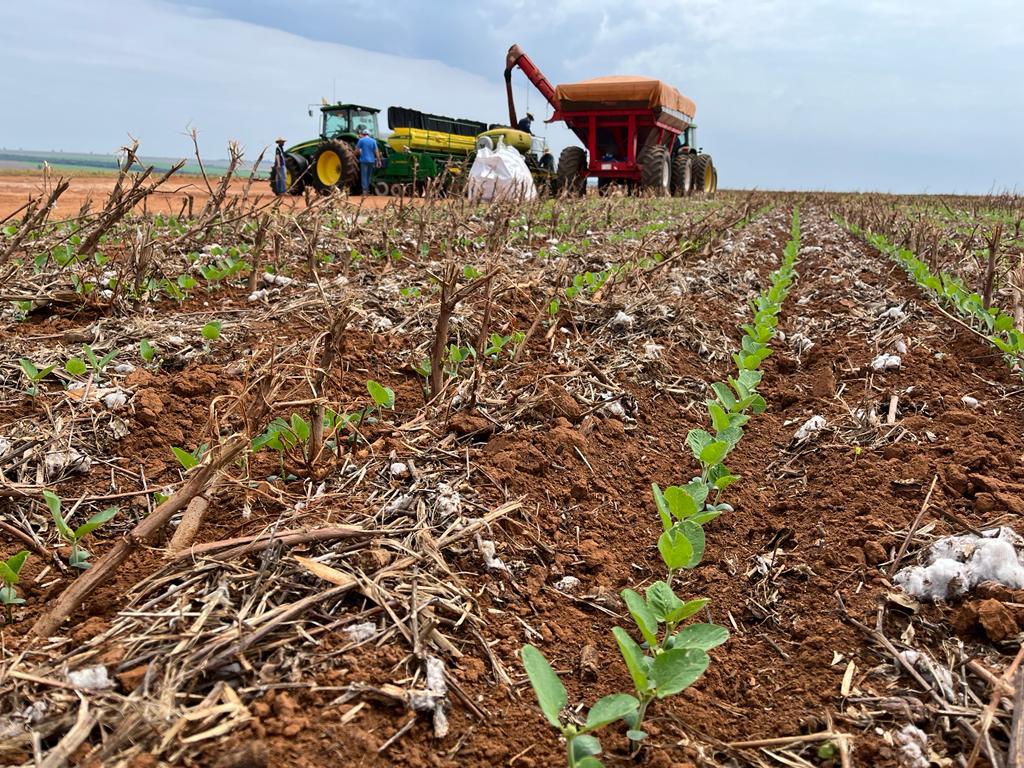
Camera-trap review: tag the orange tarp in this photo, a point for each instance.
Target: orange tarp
(625, 90)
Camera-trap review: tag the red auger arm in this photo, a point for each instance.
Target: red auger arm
(515, 58)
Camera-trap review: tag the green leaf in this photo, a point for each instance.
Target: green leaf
(79, 559)
(94, 522)
(105, 360)
(719, 417)
(186, 459)
(550, 692)
(29, 368)
(634, 658)
(634, 735)
(676, 670)
(702, 636)
(211, 331)
(383, 396)
(687, 609)
(680, 503)
(714, 452)
(13, 565)
(146, 350)
(676, 550)
(694, 534)
(724, 395)
(53, 502)
(589, 762)
(585, 746)
(662, 506)
(300, 427)
(642, 614)
(75, 366)
(662, 599)
(609, 709)
(698, 440)
(9, 596)
(723, 482)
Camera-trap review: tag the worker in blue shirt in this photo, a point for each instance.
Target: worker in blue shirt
(369, 158)
(526, 123)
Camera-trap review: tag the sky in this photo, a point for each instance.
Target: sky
(907, 96)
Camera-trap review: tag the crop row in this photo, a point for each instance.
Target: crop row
(996, 325)
(669, 656)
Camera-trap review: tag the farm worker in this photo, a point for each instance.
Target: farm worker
(526, 123)
(369, 157)
(547, 160)
(280, 169)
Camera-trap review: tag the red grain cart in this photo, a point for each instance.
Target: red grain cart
(636, 130)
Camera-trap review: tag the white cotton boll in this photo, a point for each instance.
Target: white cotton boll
(893, 313)
(615, 409)
(957, 564)
(996, 560)
(60, 463)
(271, 279)
(399, 469)
(379, 324)
(259, 295)
(970, 402)
(812, 426)
(621, 321)
(911, 747)
(935, 582)
(652, 351)
(123, 368)
(115, 399)
(357, 633)
(448, 502)
(90, 678)
(886, 363)
(176, 341)
(403, 503)
(900, 346)
(567, 584)
(488, 551)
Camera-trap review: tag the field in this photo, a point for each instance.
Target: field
(361, 456)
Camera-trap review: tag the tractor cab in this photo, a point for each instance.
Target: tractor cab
(344, 121)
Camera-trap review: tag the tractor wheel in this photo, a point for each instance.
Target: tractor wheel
(714, 183)
(334, 166)
(572, 167)
(704, 175)
(655, 170)
(682, 175)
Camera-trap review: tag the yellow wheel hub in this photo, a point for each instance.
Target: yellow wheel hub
(328, 168)
(709, 179)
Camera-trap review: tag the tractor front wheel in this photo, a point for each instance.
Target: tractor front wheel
(655, 170)
(704, 177)
(295, 167)
(682, 175)
(572, 167)
(334, 167)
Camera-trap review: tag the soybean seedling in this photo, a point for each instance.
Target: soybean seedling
(581, 747)
(9, 571)
(34, 374)
(189, 459)
(79, 555)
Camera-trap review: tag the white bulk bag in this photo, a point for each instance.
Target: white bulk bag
(500, 174)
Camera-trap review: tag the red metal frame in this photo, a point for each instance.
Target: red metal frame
(622, 130)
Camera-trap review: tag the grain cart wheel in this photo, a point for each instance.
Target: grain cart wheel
(703, 175)
(334, 166)
(380, 188)
(572, 165)
(655, 170)
(682, 176)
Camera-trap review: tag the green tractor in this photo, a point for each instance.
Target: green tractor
(421, 147)
(329, 162)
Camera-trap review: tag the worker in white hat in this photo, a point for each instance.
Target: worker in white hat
(280, 171)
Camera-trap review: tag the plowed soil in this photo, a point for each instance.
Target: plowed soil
(799, 571)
